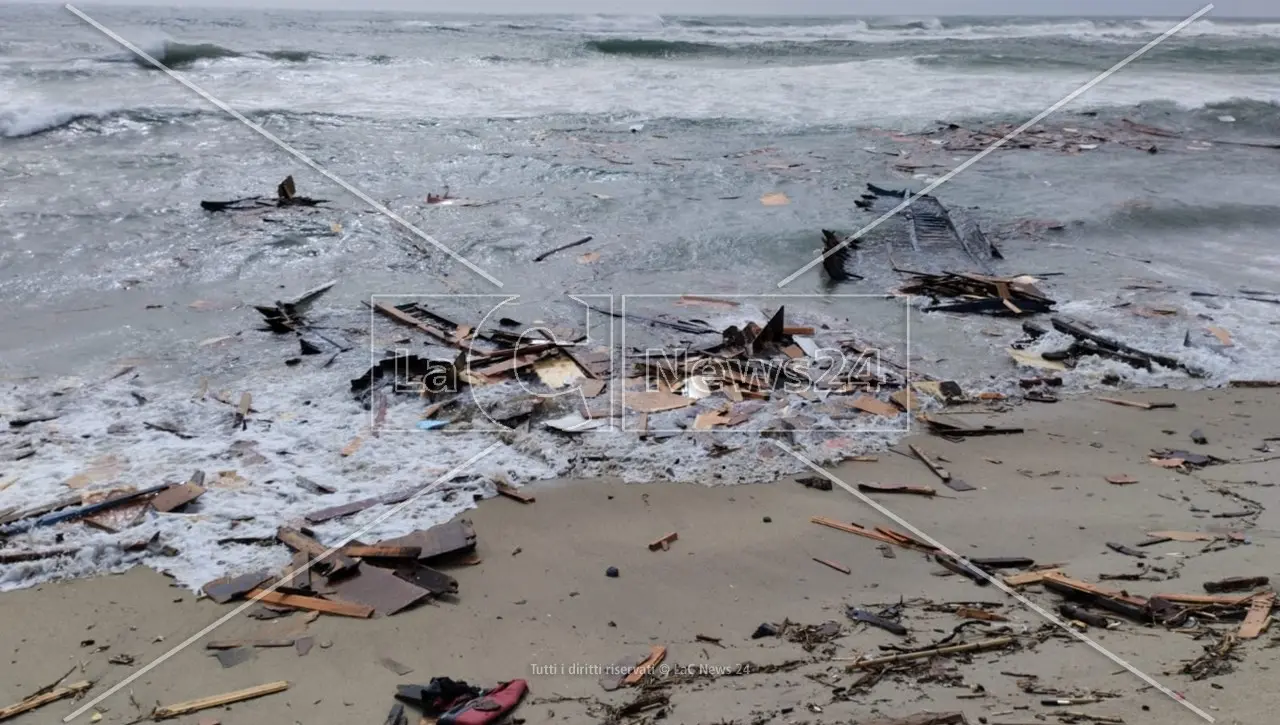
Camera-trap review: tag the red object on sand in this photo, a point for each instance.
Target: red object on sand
(489, 707)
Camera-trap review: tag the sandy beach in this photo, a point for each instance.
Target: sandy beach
(539, 606)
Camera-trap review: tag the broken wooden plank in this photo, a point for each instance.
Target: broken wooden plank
(656, 655)
(359, 551)
(447, 539)
(1258, 617)
(204, 703)
(38, 701)
(980, 614)
(915, 490)
(337, 561)
(654, 401)
(922, 718)
(513, 493)
(1236, 584)
(834, 565)
(1028, 578)
(377, 588)
(896, 539)
(937, 469)
(176, 496)
(664, 542)
(980, 646)
(223, 590)
(561, 248)
(868, 404)
(296, 601)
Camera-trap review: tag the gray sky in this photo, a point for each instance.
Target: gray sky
(1223, 8)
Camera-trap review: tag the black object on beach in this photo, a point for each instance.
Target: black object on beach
(611, 572)
(766, 629)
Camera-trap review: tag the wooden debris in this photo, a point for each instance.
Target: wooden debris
(980, 646)
(980, 293)
(357, 551)
(1254, 383)
(1183, 536)
(656, 654)
(937, 469)
(40, 700)
(1028, 578)
(448, 539)
(1136, 403)
(980, 614)
(224, 590)
(1258, 617)
(867, 404)
(379, 589)
(1236, 584)
(344, 609)
(570, 245)
(655, 401)
(1121, 479)
(834, 565)
(923, 718)
(511, 492)
(914, 490)
(176, 496)
(664, 542)
(204, 703)
(336, 562)
(880, 534)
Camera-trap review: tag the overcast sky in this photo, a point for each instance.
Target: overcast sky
(1222, 8)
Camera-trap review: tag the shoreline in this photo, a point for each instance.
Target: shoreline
(550, 604)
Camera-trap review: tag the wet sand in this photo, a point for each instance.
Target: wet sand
(540, 607)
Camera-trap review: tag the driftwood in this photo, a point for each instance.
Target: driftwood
(981, 646)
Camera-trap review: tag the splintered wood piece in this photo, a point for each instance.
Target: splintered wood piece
(656, 655)
(887, 536)
(1121, 479)
(352, 447)
(1128, 403)
(1028, 578)
(868, 404)
(511, 492)
(37, 701)
(298, 541)
(879, 488)
(204, 703)
(359, 551)
(175, 497)
(834, 565)
(905, 399)
(982, 614)
(980, 646)
(654, 401)
(664, 543)
(800, 330)
(938, 470)
(344, 609)
(1223, 336)
(1258, 617)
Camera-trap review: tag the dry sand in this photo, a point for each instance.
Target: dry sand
(550, 605)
